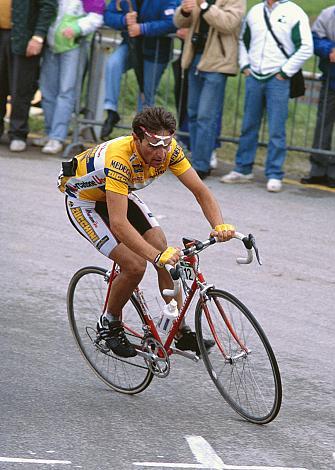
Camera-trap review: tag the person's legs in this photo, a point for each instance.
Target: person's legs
(193, 93)
(277, 96)
(5, 73)
(116, 65)
(209, 109)
(64, 106)
(252, 118)
(25, 72)
(91, 220)
(132, 269)
(152, 73)
(49, 86)
(323, 134)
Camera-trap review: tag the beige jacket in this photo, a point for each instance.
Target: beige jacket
(221, 49)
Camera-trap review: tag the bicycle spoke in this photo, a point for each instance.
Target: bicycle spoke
(86, 298)
(241, 364)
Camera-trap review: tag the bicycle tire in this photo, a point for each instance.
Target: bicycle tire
(85, 300)
(249, 382)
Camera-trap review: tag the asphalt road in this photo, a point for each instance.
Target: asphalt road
(55, 413)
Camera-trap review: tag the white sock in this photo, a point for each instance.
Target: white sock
(110, 317)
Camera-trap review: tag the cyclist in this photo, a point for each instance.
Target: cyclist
(100, 188)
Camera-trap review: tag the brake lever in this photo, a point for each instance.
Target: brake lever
(253, 244)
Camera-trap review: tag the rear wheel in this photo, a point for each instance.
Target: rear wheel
(241, 364)
(85, 302)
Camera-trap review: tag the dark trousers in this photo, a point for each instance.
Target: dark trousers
(18, 78)
(323, 165)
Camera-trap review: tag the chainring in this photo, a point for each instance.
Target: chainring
(159, 363)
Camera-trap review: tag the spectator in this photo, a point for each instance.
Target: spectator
(149, 23)
(210, 55)
(323, 167)
(23, 27)
(60, 67)
(180, 94)
(267, 74)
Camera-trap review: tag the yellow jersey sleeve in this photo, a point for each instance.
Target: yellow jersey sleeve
(178, 162)
(118, 175)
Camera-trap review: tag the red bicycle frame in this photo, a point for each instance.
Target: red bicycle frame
(199, 280)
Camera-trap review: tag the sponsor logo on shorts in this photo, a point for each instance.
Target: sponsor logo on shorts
(78, 215)
(89, 215)
(102, 242)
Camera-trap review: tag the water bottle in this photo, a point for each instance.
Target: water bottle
(169, 315)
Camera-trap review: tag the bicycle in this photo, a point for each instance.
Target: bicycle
(242, 364)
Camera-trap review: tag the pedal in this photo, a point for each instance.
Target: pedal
(188, 355)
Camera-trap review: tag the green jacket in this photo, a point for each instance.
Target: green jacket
(30, 17)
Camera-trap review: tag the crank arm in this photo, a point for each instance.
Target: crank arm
(186, 354)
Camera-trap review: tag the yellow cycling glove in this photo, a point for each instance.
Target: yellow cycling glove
(224, 228)
(162, 258)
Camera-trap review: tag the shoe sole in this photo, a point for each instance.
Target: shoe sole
(49, 152)
(17, 151)
(236, 181)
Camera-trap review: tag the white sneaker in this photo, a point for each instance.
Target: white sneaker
(53, 146)
(17, 145)
(40, 141)
(214, 161)
(236, 177)
(274, 185)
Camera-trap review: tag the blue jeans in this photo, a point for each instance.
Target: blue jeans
(204, 108)
(272, 95)
(117, 64)
(58, 81)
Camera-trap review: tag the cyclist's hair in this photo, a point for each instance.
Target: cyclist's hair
(154, 120)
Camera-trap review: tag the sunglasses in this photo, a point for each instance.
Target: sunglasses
(157, 140)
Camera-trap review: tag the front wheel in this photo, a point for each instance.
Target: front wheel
(242, 363)
(85, 302)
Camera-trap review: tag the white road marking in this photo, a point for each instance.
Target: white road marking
(170, 465)
(204, 453)
(17, 460)
(207, 458)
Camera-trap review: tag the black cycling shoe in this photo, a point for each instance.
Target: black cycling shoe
(108, 126)
(115, 338)
(188, 341)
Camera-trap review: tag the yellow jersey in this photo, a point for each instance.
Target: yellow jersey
(116, 166)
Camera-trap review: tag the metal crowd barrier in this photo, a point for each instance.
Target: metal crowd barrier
(89, 113)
